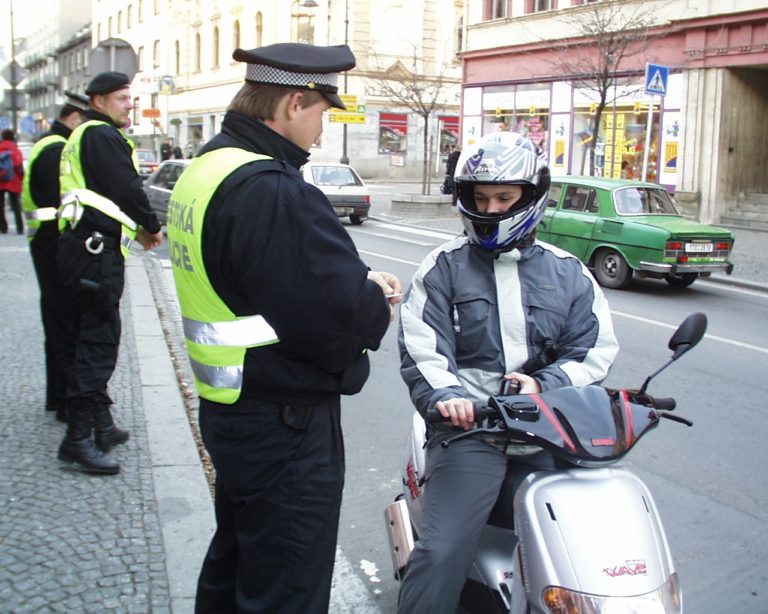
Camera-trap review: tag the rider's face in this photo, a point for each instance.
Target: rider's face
(496, 198)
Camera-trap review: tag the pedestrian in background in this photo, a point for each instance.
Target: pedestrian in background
(40, 197)
(449, 187)
(177, 153)
(278, 313)
(103, 208)
(11, 174)
(165, 151)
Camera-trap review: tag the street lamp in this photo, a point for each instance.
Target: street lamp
(344, 157)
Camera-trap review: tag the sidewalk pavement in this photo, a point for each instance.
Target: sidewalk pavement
(750, 251)
(133, 542)
(72, 542)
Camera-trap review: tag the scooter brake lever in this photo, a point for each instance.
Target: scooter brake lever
(493, 430)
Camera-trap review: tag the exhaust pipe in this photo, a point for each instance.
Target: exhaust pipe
(400, 535)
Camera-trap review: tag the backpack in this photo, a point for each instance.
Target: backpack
(6, 166)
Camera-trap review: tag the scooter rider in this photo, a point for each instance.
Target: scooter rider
(479, 308)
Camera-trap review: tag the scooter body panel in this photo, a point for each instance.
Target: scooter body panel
(595, 531)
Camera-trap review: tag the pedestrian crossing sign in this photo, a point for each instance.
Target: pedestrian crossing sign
(656, 77)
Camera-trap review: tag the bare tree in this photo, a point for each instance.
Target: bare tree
(421, 93)
(608, 38)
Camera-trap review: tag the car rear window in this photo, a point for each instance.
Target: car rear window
(643, 201)
(334, 175)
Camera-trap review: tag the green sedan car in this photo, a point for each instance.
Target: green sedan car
(619, 228)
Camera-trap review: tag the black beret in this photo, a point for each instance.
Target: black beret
(300, 66)
(78, 102)
(106, 82)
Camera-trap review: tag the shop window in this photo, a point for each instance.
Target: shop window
(449, 133)
(393, 133)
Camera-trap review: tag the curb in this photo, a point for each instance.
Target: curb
(725, 280)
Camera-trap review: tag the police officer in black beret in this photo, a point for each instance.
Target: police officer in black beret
(278, 312)
(103, 209)
(40, 198)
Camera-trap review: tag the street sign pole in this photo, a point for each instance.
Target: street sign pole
(648, 126)
(656, 77)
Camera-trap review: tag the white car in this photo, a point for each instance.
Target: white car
(159, 185)
(343, 187)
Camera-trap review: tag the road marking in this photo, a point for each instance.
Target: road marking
(746, 346)
(385, 257)
(447, 234)
(393, 237)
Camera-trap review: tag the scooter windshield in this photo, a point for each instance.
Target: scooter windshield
(589, 425)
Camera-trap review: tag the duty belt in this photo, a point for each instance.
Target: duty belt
(43, 214)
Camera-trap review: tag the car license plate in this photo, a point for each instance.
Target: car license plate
(698, 248)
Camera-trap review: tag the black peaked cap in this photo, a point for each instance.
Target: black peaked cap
(106, 82)
(299, 66)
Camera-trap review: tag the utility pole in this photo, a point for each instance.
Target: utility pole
(344, 157)
(14, 80)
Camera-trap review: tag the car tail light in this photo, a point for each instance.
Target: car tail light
(722, 246)
(366, 199)
(674, 245)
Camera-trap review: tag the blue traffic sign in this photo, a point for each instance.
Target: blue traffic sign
(656, 77)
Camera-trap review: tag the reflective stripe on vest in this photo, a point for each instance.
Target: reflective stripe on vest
(75, 194)
(33, 211)
(216, 338)
(71, 212)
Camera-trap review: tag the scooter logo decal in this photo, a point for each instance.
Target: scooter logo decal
(604, 441)
(412, 482)
(630, 568)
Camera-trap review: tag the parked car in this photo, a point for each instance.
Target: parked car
(343, 187)
(160, 184)
(147, 162)
(620, 227)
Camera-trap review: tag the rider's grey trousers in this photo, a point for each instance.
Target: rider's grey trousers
(463, 483)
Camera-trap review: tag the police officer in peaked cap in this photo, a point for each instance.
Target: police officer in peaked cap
(279, 312)
(40, 198)
(103, 209)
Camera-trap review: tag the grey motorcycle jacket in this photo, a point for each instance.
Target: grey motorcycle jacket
(472, 316)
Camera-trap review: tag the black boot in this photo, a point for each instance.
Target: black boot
(108, 434)
(78, 448)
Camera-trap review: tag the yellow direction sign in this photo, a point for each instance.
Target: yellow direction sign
(347, 118)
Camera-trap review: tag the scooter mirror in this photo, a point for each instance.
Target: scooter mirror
(688, 334)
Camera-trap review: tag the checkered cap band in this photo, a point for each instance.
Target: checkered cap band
(262, 73)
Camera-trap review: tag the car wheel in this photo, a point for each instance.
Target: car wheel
(611, 270)
(356, 220)
(681, 281)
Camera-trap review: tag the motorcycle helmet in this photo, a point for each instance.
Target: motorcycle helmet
(502, 158)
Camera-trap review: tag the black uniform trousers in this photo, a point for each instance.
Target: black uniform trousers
(277, 501)
(94, 282)
(57, 313)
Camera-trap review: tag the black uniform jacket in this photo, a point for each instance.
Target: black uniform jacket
(272, 245)
(108, 170)
(44, 181)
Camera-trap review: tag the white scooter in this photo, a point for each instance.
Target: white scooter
(587, 536)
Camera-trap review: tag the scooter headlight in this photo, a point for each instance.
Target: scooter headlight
(667, 599)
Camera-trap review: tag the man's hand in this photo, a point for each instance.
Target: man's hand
(148, 240)
(390, 286)
(460, 411)
(528, 384)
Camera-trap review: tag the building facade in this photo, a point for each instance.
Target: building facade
(535, 66)
(186, 75)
